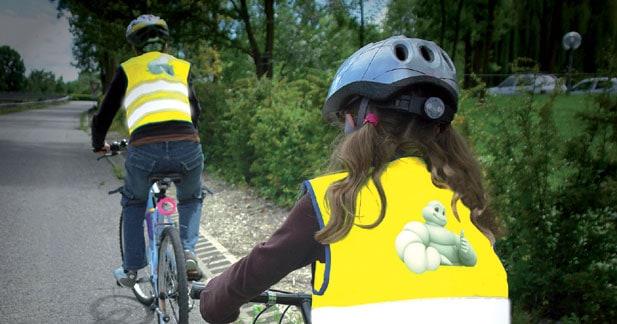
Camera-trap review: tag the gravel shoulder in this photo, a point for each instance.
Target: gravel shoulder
(239, 219)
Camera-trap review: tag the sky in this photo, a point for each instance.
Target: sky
(43, 41)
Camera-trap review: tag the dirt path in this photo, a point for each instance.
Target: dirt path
(238, 219)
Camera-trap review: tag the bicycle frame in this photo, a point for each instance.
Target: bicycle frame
(156, 222)
(163, 242)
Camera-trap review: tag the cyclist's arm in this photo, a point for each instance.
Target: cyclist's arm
(110, 105)
(292, 246)
(194, 102)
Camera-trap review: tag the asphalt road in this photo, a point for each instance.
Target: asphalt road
(58, 226)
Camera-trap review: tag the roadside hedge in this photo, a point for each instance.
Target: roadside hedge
(268, 134)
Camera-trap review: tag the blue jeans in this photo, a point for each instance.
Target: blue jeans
(184, 157)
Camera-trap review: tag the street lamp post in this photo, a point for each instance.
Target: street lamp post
(570, 42)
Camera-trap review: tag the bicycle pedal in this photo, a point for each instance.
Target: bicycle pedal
(193, 275)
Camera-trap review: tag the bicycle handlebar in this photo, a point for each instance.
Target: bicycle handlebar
(267, 297)
(114, 148)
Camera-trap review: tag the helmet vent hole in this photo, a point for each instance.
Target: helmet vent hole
(401, 52)
(427, 53)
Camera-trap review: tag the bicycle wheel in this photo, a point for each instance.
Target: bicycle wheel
(144, 288)
(172, 281)
(121, 232)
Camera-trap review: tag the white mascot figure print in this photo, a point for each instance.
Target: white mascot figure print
(426, 246)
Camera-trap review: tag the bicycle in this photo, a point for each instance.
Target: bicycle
(164, 285)
(270, 298)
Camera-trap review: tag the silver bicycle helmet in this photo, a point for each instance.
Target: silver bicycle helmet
(147, 29)
(382, 72)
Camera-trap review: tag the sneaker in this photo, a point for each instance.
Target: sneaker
(193, 272)
(125, 278)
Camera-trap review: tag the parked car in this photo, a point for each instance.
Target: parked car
(595, 85)
(528, 82)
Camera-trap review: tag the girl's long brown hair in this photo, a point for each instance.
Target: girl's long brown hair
(367, 151)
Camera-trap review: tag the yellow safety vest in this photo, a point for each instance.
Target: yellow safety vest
(157, 90)
(398, 271)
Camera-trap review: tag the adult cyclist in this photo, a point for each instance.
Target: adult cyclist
(162, 113)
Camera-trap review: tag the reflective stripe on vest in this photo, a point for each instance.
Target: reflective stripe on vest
(157, 90)
(408, 257)
(433, 310)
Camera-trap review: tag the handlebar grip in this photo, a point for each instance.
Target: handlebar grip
(282, 297)
(263, 297)
(116, 146)
(196, 288)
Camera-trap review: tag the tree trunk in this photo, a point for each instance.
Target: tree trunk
(488, 36)
(457, 27)
(442, 33)
(255, 52)
(268, 64)
(107, 67)
(467, 59)
(554, 37)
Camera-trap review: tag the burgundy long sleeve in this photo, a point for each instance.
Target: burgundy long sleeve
(291, 247)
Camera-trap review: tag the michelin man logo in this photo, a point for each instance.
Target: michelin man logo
(161, 65)
(426, 246)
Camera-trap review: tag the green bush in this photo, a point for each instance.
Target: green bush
(235, 154)
(212, 97)
(266, 133)
(555, 192)
(290, 140)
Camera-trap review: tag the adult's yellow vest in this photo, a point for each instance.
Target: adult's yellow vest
(157, 90)
(420, 265)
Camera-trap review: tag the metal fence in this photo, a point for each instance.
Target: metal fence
(23, 99)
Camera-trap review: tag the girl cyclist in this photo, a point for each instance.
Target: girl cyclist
(399, 231)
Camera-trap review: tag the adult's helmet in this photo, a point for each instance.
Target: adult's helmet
(147, 29)
(383, 72)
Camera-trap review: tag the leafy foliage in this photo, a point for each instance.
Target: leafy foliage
(269, 134)
(12, 70)
(13, 77)
(557, 203)
(41, 81)
(484, 36)
(290, 140)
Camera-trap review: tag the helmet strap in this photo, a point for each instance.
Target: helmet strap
(349, 124)
(153, 47)
(362, 112)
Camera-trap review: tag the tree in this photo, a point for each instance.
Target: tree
(98, 29)
(263, 60)
(83, 84)
(12, 70)
(492, 34)
(239, 31)
(41, 81)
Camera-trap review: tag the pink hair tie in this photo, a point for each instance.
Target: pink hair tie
(371, 119)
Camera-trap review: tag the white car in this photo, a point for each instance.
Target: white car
(527, 83)
(595, 85)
